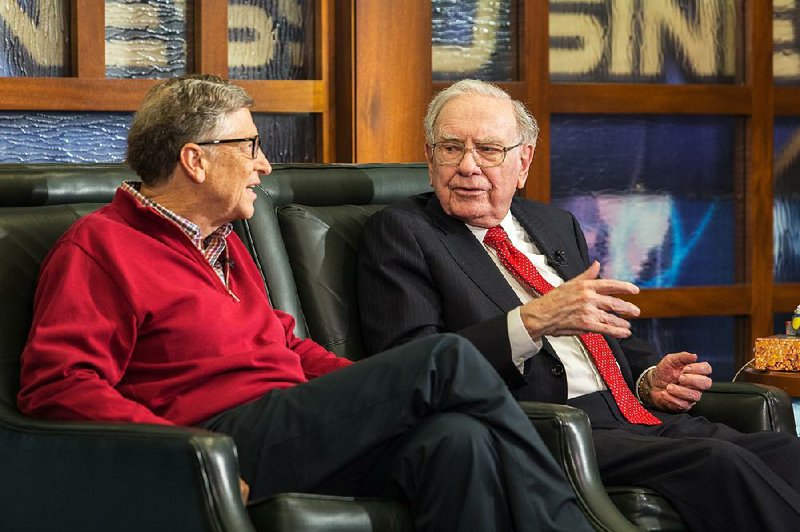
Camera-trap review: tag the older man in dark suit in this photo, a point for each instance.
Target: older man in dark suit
(514, 277)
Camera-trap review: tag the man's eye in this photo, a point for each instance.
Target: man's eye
(451, 148)
(488, 149)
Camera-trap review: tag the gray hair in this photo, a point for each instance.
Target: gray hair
(526, 123)
(174, 112)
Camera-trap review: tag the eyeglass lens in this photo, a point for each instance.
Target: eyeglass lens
(485, 155)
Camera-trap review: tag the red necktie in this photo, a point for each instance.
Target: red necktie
(526, 273)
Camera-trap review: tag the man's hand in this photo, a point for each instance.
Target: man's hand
(244, 490)
(678, 382)
(582, 304)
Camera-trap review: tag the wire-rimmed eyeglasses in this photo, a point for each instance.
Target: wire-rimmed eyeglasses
(255, 144)
(487, 155)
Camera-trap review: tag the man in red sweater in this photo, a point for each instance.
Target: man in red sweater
(141, 317)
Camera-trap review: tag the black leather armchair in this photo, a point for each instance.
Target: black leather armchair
(320, 215)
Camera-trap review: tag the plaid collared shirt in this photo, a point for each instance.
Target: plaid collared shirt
(212, 247)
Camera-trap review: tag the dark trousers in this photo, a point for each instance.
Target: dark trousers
(717, 478)
(429, 422)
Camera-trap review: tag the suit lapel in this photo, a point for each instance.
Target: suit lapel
(561, 255)
(472, 258)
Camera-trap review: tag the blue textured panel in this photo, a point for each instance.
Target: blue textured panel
(271, 39)
(473, 39)
(711, 338)
(786, 207)
(653, 194)
(28, 137)
(658, 41)
(146, 39)
(34, 40)
(288, 138)
(32, 137)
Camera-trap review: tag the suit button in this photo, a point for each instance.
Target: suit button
(557, 370)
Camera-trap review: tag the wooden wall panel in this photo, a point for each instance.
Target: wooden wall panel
(391, 79)
(759, 190)
(88, 31)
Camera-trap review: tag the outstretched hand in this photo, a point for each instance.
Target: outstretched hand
(678, 382)
(582, 304)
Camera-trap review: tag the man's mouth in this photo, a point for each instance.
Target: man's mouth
(468, 190)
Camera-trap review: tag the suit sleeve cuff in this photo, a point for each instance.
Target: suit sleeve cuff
(638, 387)
(523, 346)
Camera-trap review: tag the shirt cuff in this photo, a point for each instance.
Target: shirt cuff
(639, 383)
(523, 346)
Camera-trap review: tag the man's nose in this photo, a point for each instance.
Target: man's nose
(468, 163)
(262, 165)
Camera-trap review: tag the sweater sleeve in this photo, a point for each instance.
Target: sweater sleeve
(80, 343)
(315, 359)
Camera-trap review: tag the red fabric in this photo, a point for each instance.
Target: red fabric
(518, 264)
(132, 324)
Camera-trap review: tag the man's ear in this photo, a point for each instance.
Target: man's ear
(429, 158)
(193, 162)
(526, 159)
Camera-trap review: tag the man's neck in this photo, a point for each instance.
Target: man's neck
(183, 200)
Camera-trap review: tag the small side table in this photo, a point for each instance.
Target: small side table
(788, 381)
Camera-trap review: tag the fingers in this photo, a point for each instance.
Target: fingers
(617, 306)
(683, 393)
(675, 398)
(700, 368)
(695, 382)
(603, 286)
(591, 272)
(674, 402)
(684, 358)
(611, 286)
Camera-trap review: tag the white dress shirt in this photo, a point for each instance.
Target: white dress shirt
(582, 376)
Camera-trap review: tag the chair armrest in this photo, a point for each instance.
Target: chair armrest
(117, 476)
(567, 433)
(747, 407)
(324, 513)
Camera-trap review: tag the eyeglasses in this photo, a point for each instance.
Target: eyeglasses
(450, 153)
(255, 144)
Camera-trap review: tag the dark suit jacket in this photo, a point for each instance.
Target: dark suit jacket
(422, 272)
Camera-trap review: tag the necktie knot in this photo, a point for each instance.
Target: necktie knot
(495, 236)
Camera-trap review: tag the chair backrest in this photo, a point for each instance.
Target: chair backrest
(37, 204)
(26, 185)
(320, 216)
(26, 236)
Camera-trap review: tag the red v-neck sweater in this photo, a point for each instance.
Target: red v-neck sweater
(132, 324)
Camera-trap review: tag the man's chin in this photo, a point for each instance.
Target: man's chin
(469, 214)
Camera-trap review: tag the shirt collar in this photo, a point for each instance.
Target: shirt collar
(189, 228)
(506, 223)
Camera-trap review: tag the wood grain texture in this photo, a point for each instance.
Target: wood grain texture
(616, 98)
(211, 37)
(732, 300)
(391, 79)
(88, 31)
(759, 191)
